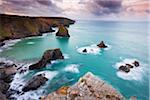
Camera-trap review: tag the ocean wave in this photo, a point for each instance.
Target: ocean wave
(48, 74)
(9, 44)
(72, 68)
(135, 73)
(30, 43)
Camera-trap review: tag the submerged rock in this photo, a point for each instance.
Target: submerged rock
(62, 31)
(102, 45)
(136, 63)
(52, 54)
(89, 87)
(124, 69)
(35, 83)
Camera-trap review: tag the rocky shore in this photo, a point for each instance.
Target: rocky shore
(15, 27)
(89, 87)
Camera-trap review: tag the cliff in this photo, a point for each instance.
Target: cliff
(14, 26)
(89, 87)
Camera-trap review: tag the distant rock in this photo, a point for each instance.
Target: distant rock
(124, 69)
(89, 87)
(35, 83)
(84, 50)
(52, 54)
(129, 66)
(102, 45)
(136, 63)
(62, 31)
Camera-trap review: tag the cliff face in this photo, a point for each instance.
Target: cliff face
(13, 26)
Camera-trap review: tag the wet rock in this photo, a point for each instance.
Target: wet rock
(124, 69)
(52, 54)
(62, 31)
(2, 44)
(129, 66)
(84, 50)
(2, 96)
(102, 45)
(4, 86)
(136, 63)
(35, 83)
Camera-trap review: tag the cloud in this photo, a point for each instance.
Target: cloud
(102, 7)
(29, 7)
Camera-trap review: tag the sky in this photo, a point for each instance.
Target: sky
(79, 9)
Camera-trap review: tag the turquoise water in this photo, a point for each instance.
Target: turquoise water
(127, 40)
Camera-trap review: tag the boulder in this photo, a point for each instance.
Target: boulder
(62, 31)
(2, 44)
(136, 64)
(35, 83)
(102, 45)
(84, 50)
(124, 69)
(129, 66)
(48, 55)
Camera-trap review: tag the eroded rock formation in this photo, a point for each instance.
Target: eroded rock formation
(102, 45)
(52, 54)
(62, 31)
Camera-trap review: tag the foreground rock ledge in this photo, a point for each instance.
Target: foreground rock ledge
(89, 87)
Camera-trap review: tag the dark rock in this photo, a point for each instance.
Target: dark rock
(136, 63)
(124, 69)
(2, 96)
(102, 45)
(62, 31)
(48, 55)
(7, 72)
(129, 66)
(35, 83)
(84, 50)
(2, 44)
(4, 86)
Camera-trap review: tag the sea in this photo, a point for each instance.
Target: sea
(126, 41)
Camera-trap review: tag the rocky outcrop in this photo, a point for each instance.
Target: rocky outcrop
(89, 87)
(7, 72)
(35, 83)
(48, 55)
(62, 31)
(14, 26)
(136, 64)
(84, 50)
(127, 67)
(102, 45)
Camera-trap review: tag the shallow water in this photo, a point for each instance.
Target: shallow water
(127, 41)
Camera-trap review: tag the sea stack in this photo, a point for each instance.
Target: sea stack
(52, 54)
(62, 31)
(102, 45)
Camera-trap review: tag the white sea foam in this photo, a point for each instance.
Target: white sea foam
(72, 68)
(9, 44)
(92, 49)
(48, 74)
(135, 73)
(66, 56)
(30, 43)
